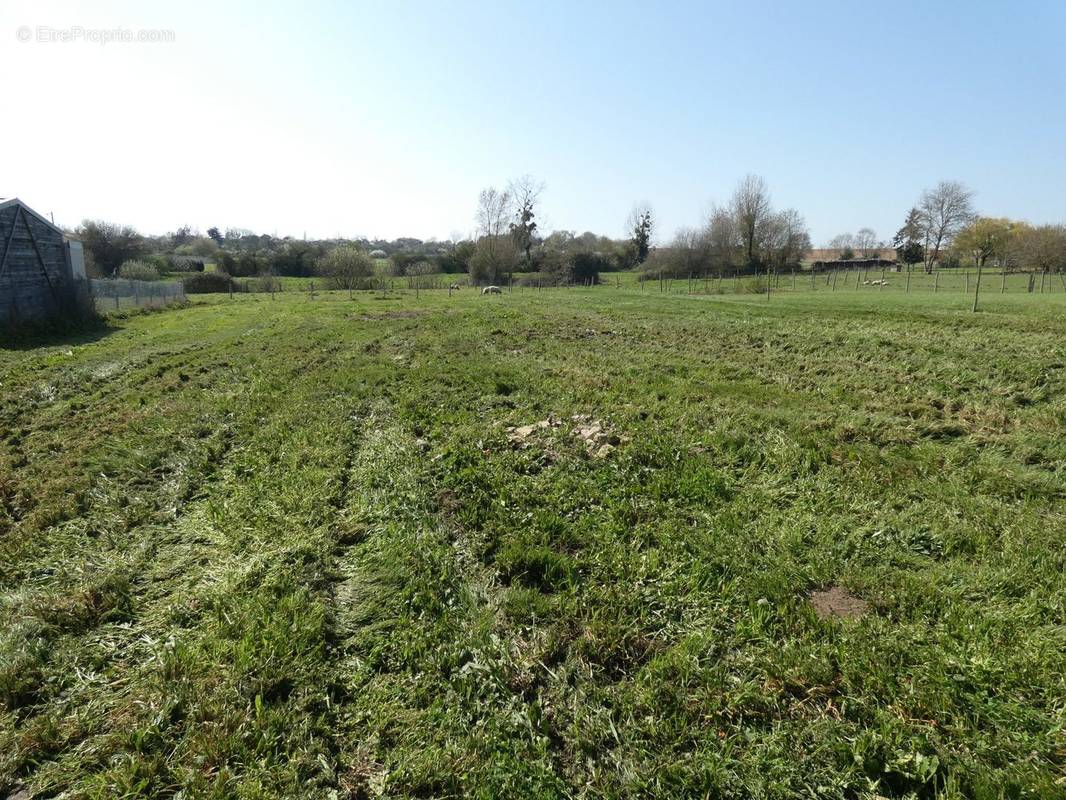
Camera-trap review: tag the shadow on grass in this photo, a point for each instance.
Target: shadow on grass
(31, 335)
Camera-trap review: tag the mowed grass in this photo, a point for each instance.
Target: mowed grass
(288, 548)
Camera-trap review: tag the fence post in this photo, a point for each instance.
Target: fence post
(966, 275)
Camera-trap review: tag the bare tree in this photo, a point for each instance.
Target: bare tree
(493, 212)
(943, 211)
(689, 254)
(787, 240)
(1041, 248)
(842, 240)
(866, 241)
(751, 208)
(723, 239)
(525, 193)
(495, 247)
(640, 228)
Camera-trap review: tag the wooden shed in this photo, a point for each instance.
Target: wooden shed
(42, 275)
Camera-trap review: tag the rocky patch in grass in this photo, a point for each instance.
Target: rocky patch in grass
(599, 440)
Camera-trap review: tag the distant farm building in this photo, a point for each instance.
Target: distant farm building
(42, 275)
(856, 263)
(835, 253)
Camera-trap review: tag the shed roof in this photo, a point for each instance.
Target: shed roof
(14, 201)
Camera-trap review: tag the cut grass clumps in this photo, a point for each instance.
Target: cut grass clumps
(304, 548)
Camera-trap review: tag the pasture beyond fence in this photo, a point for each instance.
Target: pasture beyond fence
(990, 281)
(945, 281)
(116, 294)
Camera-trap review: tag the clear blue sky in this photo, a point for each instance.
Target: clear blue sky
(386, 118)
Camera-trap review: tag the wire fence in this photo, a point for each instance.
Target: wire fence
(115, 294)
(967, 281)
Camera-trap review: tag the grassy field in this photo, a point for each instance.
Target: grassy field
(546, 544)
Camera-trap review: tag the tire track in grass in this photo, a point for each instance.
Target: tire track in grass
(103, 604)
(236, 700)
(431, 706)
(54, 431)
(179, 572)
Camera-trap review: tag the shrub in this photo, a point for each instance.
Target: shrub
(209, 283)
(184, 264)
(138, 271)
(536, 279)
(346, 268)
(586, 266)
(264, 283)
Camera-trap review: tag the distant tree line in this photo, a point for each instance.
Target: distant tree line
(943, 229)
(744, 236)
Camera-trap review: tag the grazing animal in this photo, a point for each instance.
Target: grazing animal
(455, 287)
(492, 290)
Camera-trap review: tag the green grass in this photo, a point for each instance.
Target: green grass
(255, 548)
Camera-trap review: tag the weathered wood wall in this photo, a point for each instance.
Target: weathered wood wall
(35, 278)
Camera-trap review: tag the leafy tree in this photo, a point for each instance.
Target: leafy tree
(216, 235)
(908, 240)
(109, 245)
(984, 238)
(458, 258)
(181, 236)
(199, 246)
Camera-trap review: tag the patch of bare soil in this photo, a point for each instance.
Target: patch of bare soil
(839, 603)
